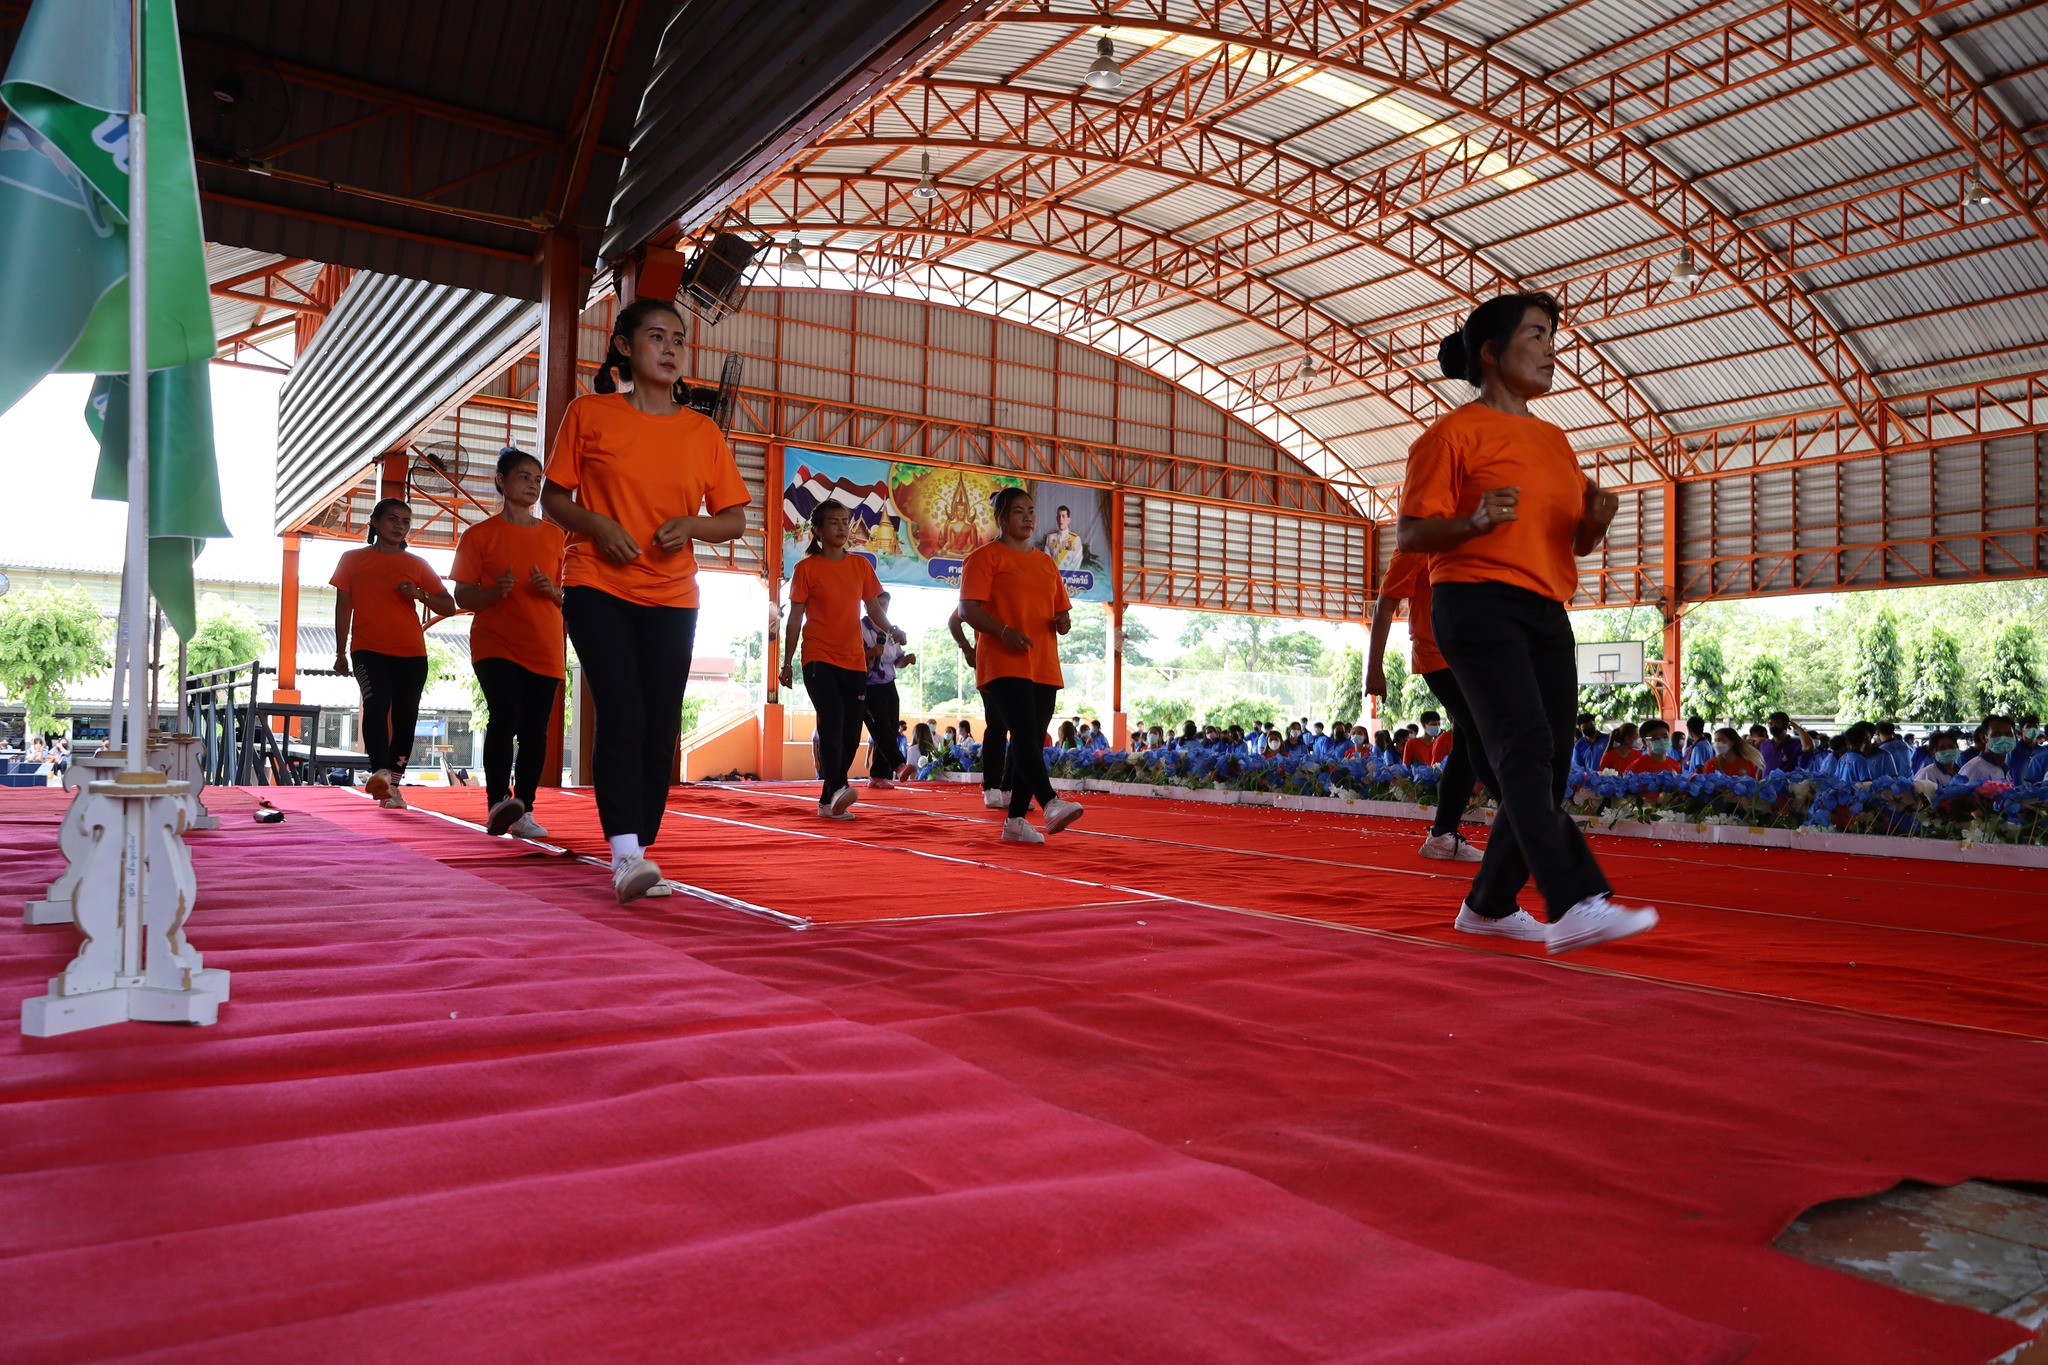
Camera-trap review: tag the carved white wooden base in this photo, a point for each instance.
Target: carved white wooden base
(72, 838)
(182, 761)
(135, 890)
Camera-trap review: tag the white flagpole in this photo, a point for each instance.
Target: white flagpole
(135, 585)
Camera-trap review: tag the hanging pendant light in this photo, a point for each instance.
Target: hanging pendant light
(1308, 372)
(926, 188)
(1687, 269)
(793, 257)
(1978, 195)
(1103, 72)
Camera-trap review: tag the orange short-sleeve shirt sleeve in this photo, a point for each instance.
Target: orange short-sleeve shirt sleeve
(1020, 588)
(380, 620)
(1476, 448)
(524, 626)
(834, 595)
(641, 471)
(1408, 580)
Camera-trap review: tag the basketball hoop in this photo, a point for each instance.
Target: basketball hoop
(1606, 676)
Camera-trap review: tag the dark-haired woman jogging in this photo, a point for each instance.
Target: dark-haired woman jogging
(826, 597)
(1013, 597)
(636, 479)
(1495, 496)
(508, 571)
(378, 591)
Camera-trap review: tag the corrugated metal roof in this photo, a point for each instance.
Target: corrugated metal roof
(392, 354)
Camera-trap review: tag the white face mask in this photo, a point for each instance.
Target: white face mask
(1432, 730)
(1721, 746)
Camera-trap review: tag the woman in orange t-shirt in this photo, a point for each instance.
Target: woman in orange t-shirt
(1407, 579)
(1495, 497)
(507, 571)
(636, 479)
(378, 591)
(827, 595)
(1013, 597)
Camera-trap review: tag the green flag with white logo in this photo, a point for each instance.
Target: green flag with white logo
(64, 256)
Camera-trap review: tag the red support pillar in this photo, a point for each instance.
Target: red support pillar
(1119, 719)
(768, 757)
(287, 690)
(395, 479)
(561, 306)
(1673, 659)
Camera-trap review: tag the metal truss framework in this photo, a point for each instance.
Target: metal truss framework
(283, 308)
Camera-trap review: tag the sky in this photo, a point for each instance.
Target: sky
(46, 467)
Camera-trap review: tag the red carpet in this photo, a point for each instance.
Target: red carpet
(1944, 942)
(445, 1120)
(1574, 1127)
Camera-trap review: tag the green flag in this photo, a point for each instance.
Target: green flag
(64, 252)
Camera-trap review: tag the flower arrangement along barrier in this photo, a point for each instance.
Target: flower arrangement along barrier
(1958, 811)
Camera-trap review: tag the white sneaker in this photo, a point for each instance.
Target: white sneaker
(1520, 925)
(380, 784)
(504, 815)
(1060, 814)
(634, 878)
(1598, 920)
(995, 800)
(1450, 848)
(526, 827)
(1017, 830)
(832, 812)
(842, 802)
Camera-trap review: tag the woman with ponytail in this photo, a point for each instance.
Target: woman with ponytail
(1495, 497)
(826, 597)
(637, 479)
(507, 571)
(1012, 595)
(378, 590)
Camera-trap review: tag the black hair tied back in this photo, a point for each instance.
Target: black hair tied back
(1450, 356)
(1495, 321)
(630, 320)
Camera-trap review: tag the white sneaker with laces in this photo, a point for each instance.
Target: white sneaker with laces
(1060, 814)
(1520, 925)
(994, 799)
(1017, 830)
(634, 878)
(828, 812)
(1450, 848)
(842, 802)
(1597, 919)
(504, 815)
(526, 827)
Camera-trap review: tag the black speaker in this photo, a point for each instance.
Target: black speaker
(713, 279)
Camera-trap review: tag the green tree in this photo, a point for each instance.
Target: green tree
(1168, 710)
(227, 634)
(1297, 651)
(1755, 689)
(1395, 708)
(1350, 702)
(1875, 685)
(48, 641)
(1936, 686)
(2012, 682)
(746, 658)
(1238, 710)
(1136, 636)
(1704, 689)
(443, 663)
(1238, 640)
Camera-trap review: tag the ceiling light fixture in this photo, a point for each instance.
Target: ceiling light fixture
(1687, 268)
(926, 189)
(1978, 195)
(793, 257)
(1103, 72)
(1308, 373)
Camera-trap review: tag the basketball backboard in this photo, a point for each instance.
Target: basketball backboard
(1611, 663)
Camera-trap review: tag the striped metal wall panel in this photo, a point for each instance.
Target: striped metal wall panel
(393, 355)
(1205, 557)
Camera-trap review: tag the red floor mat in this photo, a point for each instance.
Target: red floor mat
(445, 1120)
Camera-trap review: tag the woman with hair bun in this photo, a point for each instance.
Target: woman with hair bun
(378, 590)
(637, 479)
(1496, 497)
(507, 572)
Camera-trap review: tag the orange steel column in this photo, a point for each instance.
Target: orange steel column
(1674, 661)
(561, 305)
(1119, 719)
(287, 690)
(768, 757)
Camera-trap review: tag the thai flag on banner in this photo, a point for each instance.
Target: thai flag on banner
(809, 487)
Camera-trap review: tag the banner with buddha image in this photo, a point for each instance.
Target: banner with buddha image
(916, 522)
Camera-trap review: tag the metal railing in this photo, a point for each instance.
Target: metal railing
(220, 709)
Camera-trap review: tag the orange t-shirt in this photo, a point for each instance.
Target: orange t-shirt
(380, 620)
(1476, 449)
(834, 597)
(1647, 762)
(1731, 765)
(642, 471)
(1423, 749)
(525, 625)
(1020, 588)
(1408, 580)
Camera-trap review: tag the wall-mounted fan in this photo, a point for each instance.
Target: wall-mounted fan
(239, 104)
(720, 403)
